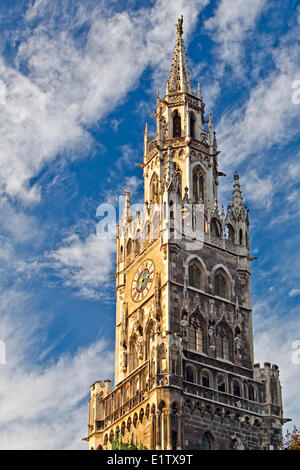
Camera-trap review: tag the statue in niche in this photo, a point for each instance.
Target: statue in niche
(238, 346)
(140, 347)
(211, 336)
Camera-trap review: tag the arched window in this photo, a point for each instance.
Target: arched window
(198, 185)
(229, 233)
(251, 393)
(224, 342)
(195, 334)
(215, 228)
(190, 376)
(192, 125)
(205, 379)
(176, 124)
(129, 247)
(221, 384)
(221, 284)
(207, 442)
(195, 274)
(236, 389)
(241, 236)
(247, 239)
(154, 189)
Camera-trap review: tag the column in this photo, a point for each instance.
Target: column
(157, 433)
(168, 429)
(153, 431)
(179, 431)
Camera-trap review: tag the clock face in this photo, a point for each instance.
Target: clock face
(142, 280)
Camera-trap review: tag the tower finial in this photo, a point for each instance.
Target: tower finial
(180, 76)
(180, 26)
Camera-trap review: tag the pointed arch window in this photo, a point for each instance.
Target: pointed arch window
(198, 185)
(195, 274)
(251, 393)
(190, 374)
(195, 334)
(215, 228)
(224, 343)
(229, 233)
(221, 384)
(176, 124)
(207, 442)
(129, 247)
(236, 389)
(221, 284)
(241, 236)
(205, 379)
(192, 125)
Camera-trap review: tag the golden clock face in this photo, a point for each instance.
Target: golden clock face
(142, 280)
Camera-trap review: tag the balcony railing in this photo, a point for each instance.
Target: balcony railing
(223, 398)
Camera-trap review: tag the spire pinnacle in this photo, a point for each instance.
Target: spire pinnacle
(180, 75)
(180, 26)
(237, 200)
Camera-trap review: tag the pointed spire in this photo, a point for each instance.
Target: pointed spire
(180, 75)
(157, 98)
(199, 91)
(210, 130)
(215, 143)
(127, 207)
(237, 200)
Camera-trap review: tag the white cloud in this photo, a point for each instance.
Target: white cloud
(43, 406)
(229, 27)
(70, 85)
(273, 339)
(294, 292)
(268, 117)
(85, 265)
(17, 224)
(257, 189)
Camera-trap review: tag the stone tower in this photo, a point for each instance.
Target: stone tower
(185, 377)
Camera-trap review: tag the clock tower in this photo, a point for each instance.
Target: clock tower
(185, 376)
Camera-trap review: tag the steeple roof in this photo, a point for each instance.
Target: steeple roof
(180, 75)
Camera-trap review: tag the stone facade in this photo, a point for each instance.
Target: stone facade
(185, 376)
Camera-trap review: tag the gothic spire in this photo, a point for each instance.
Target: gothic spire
(180, 75)
(237, 200)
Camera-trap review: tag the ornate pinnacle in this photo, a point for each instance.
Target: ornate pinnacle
(237, 200)
(179, 26)
(180, 76)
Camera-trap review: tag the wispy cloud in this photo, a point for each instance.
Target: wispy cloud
(85, 264)
(44, 406)
(70, 83)
(230, 25)
(274, 336)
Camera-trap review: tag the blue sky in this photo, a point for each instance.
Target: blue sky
(78, 82)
